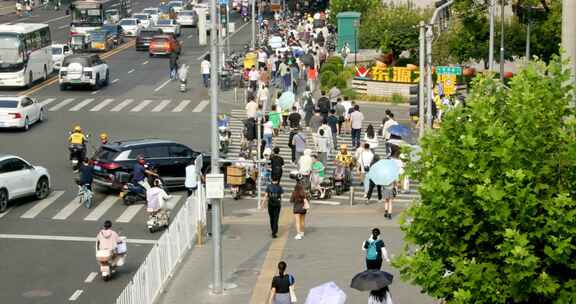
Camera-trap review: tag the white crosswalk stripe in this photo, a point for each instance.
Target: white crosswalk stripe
(201, 106)
(82, 104)
(62, 104)
(181, 106)
(161, 106)
(47, 101)
(41, 205)
(101, 105)
(122, 105)
(141, 106)
(129, 213)
(99, 211)
(65, 212)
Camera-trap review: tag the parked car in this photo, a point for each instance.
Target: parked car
(176, 5)
(131, 26)
(116, 31)
(144, 37)
(187, 18)
(21, 112)
(169, 158)
(101, 41)
(83, 69)
(164, 45)
(168, 26)
(154, 13)
(145, 19)
(18, 178)
(59, 51)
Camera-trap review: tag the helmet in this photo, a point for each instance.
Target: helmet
(343, 147)
(77, 128)
(103, 136)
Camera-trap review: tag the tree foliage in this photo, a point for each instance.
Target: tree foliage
(391, 28)
(496, 222)
(361, 6)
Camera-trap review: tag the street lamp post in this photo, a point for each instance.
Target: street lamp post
(253, 23)
(502, 40)
(491, 47)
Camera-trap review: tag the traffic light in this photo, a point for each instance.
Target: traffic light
(414, 102)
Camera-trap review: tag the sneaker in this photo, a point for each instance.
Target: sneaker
(274, 235)
(298, 236)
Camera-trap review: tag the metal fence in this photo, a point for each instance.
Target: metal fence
(167, 253)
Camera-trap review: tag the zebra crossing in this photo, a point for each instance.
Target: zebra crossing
(123, 105)
(62, 206)
(281, 141)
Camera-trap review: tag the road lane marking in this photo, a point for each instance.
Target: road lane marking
(145, 62)
(122, 105)
(81, 105)
(41, 205)
(161, 106)
(173, 201)
(47, 101)
(99, 211)
(101, 105)
(115, 80)
(181, 106)
(95, 92)
(129, 213)
(68, 210)
(141, 106)
(199, 107)
(76, 295)
(190, 36)
(131, 71)
(162, 85)
(89, 239)
(91, 277)
(5, 212)
(63, 26)
(62, 104)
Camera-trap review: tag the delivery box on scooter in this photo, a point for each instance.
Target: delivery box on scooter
(235, 175)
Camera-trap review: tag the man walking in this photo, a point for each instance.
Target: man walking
(298, 145)
(205, 70)
(173, 65)
(273, 198)
(356, 119)
(332, 122)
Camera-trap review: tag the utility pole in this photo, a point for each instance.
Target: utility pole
(253, 23)
(491, 47)
(502, 40)
(422, 67)
(568, 30)
(429, 85)
(528, 26)
(216, 203)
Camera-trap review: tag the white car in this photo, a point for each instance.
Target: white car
(59, 51)
(130, 26)
(176, 5)
(153, 12)
(18, 178)
(168, 26)
(20, 112)
(83, 69)
(145, 19)
(187, 18)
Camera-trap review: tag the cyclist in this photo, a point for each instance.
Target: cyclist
(86, 178)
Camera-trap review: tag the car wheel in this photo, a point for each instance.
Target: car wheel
(42, 188)
(26, 126)
(45, 74)
(3, 200)
(43, 115)
(96, 83)
(63, 87)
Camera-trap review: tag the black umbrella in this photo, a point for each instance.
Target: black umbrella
(307, 59)
(371, 280)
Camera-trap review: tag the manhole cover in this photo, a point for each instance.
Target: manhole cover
(37, 293)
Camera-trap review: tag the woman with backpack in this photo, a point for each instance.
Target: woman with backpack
(375, 251)
(282, 287)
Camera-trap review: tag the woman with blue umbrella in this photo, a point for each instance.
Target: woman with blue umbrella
(384, 174)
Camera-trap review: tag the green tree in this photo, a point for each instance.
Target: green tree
(361, 6)
(496, 222)
(391, 28)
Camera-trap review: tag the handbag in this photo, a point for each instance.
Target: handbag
(293, 298)
(306, 204)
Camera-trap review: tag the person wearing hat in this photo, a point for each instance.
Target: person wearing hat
(104, 138)
(140, 173)
(78, 139)
(345, 160)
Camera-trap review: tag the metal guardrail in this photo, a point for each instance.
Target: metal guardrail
(161, 262)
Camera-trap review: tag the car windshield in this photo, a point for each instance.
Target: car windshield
(164, 22)
(8, 104)
(56, 51)
(106, 154)
(128, 22)
(141, 17)
(110, 28)
(11, 48)
(151, 11)
(98, 36)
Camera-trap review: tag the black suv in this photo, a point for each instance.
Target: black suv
(114, 161)
(143, 38)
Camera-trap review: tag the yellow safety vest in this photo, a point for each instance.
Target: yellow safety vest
(76, 138)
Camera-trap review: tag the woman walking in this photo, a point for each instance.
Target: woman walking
(380, 296)
(375, 251)
(301, 206)
(370, 137)
(281, 286)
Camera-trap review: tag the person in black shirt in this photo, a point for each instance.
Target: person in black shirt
(86, 174)
(274, 199)
(281, 285)
(324, 105)
(294, 118)
(333, 122)
(276, 164)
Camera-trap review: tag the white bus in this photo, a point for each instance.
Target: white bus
(25, 54)
(90, 15)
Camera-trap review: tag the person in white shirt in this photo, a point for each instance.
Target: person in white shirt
(253, 76)
(387, 123)
(251, 108)
(191, 181)
(370, 137)
(205, 70)
(364, 157)
(156, 197)
(323, 146)
(262, 58)
(267, 132)
(356, 119)
(263, 96)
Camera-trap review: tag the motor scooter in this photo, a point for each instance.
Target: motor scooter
(110, 260)
(133, 193)
(341, 178)
(77, 154)
(158, 220)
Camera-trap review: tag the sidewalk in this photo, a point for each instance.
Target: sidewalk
(7, 7)
(330, 251)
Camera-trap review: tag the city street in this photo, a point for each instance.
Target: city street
(48, 245)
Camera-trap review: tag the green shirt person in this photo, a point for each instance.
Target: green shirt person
(318, 168)
(275, 117)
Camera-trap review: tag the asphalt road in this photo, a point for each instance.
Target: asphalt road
(48, 246)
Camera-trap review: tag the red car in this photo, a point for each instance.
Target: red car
(164, 45)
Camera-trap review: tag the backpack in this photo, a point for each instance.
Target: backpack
(372, 251)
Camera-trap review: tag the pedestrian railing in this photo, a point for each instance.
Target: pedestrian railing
(167, 253)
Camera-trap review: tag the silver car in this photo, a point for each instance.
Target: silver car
(168, 26)
(187, 18)
(21, 112)
(18, 178)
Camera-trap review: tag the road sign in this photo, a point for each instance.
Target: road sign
(215, 186)
(448, 70)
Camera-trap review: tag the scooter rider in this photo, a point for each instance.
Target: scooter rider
(104, 138)
(107, 239)
(156, 199)
(78, 139)
(317, 175)
(345, 160)
(140, 172)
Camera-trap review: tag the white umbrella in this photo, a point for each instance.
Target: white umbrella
(327, 293)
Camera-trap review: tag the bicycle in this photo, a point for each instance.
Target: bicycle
(86, 196)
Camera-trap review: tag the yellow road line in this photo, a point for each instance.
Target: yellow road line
(54, 79)
(261, 290)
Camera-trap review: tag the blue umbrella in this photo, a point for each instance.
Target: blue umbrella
(384, 172)
(286, 100)
(400, 130)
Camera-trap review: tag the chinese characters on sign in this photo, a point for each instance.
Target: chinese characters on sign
(395, 74)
